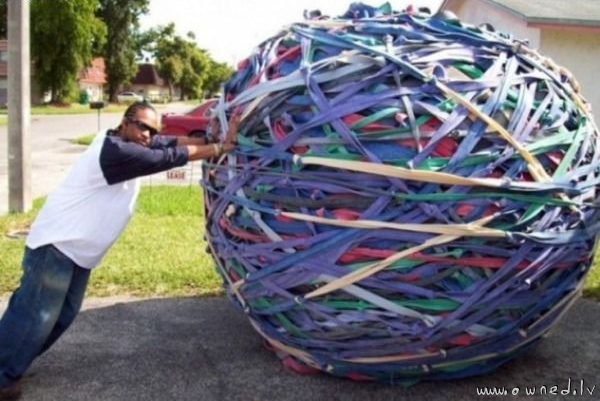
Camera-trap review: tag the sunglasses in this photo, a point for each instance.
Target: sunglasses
(143, 126)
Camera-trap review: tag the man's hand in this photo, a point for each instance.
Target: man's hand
(215, 128)
(232, 132)
(215, 149)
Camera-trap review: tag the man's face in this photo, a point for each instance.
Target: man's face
(139, 128)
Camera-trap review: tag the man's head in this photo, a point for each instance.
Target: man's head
(140, 121)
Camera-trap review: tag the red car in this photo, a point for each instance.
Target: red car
(192, 123)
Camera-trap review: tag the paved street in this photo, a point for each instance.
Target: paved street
(52, 154)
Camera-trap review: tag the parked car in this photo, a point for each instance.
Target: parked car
(193, 123)
(129, 97)
(157, 97)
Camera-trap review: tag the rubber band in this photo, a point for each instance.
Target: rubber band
(411, 197)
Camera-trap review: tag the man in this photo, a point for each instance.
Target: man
(78, 223)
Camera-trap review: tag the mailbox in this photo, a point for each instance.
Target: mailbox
(97, 105)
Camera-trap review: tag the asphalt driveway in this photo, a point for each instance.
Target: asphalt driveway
(204, 349)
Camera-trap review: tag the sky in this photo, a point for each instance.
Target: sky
(230, 29)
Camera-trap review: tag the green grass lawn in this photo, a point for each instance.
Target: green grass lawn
(161, 252)
(592, 284)
(85, 139)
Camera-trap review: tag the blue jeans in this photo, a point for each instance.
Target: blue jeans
(40, 310)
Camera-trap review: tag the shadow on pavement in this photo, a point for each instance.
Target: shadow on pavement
(204, 349)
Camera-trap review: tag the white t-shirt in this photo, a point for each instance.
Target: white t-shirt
(92, 206)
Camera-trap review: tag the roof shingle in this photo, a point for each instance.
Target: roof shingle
(147, 75)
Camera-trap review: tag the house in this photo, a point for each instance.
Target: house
(566, 31)
(149, 84)
(92, 79)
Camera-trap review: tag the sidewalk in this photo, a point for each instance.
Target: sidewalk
(205, 349)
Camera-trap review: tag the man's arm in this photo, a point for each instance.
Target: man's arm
(200, 150)
(162, 141)
(197, 152)
(231, 136)
(184, 141)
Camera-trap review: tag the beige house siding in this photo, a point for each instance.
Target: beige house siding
(479, 12)
(579, 52)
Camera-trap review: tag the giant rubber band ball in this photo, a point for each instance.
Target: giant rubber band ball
(412, 198)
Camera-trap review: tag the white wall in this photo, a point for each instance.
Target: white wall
(579, 52)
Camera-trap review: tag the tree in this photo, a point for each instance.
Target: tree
(179, 60)
(161, 43)
(194, 72)
(217, 74)
(169, 51)
(122, 20)
(171, 70)
(64, 34)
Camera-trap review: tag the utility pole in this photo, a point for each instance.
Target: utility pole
(19, 96)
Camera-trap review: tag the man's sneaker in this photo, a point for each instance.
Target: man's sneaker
(10, 393)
